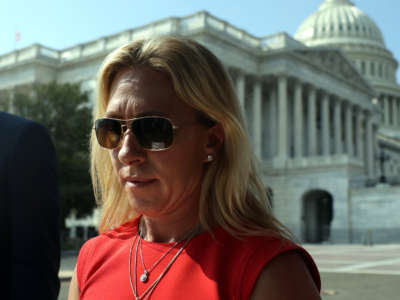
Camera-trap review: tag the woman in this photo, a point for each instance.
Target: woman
(184, 213)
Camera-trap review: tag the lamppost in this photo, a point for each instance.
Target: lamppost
(382, 157)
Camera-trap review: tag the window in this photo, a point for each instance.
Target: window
(363, 67)
(380, 71)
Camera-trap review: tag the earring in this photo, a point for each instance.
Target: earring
(210, 158)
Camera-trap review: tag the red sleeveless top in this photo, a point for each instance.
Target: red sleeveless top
(219, 267)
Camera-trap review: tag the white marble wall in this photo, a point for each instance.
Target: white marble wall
(372, 210)
(289, 192)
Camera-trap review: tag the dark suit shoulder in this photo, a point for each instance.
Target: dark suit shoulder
(21, 138)
(12, 126)
(13, 121)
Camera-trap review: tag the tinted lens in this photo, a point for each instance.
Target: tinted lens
(108, 133)
(153, 133)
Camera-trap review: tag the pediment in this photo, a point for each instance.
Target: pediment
(335, 61)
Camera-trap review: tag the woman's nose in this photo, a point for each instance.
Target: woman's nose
(130, 151)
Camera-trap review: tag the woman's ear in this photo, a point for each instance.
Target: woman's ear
(215, 140)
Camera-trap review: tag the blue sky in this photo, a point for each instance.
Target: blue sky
(59, 24)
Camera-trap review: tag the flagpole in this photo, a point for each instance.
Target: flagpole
(17, 38)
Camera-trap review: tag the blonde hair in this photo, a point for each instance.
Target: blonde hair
(232, 194)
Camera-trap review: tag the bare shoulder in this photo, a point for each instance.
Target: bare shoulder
(286, 277)
(73, 293)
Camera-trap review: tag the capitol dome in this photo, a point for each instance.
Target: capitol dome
(339, 21)
(340, 24)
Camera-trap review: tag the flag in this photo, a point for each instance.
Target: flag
(17, 36)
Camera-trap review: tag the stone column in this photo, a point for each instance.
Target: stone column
(386, 110)
(240, 89)
(311, 121)
(326, 134)
(349, 129)
(398, 112)
(395, 112)
(71, 224)
(381, 109)
(377, 150)
(360, 136)
(370, 147)
(338, 127)
(359, 141)
(283, 149)
(273, 121)
(11, 99)
(257, 118)
(298, 121)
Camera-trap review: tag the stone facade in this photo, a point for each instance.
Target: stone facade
(314, 119)
(373, 214)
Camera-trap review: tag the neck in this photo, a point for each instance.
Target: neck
(169, 228)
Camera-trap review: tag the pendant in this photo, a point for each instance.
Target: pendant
(144, 277)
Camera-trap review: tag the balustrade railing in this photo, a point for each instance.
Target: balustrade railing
(184, 25)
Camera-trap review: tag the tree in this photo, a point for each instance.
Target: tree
(65, 111)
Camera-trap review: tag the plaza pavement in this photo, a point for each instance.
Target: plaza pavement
(358, 272)
(348, 272)
(360, 259)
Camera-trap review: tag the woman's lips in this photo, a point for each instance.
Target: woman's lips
(138, 183)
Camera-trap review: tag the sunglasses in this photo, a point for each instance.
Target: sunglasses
(151, 132)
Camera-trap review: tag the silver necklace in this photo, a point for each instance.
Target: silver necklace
(146, 294)
(130, 271)
(146, 272)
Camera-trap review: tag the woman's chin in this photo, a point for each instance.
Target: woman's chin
(141, 205)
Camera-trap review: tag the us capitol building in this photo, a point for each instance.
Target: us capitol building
(322, 108)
